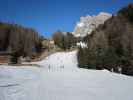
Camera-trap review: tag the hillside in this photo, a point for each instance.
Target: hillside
(62, 83)
(110, 45)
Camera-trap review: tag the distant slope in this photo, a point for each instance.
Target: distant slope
(60, 60)
(58, 83)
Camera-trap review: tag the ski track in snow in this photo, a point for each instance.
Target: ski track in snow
(58, 78)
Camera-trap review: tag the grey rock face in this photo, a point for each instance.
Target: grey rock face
(89, 23)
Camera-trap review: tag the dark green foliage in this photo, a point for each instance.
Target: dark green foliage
(83, 57)
(110, 45)
(127, 12)
(110, 59)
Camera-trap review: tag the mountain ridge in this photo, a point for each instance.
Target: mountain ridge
(89, 23)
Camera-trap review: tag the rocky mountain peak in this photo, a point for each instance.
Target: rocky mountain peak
(88, 23)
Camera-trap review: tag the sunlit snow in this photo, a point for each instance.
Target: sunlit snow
(59, 78)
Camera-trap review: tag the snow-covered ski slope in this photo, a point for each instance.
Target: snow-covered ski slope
(59, 78)
(58, 61)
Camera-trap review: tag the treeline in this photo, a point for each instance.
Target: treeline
(110, 45)
(64, 40)
(19, 41)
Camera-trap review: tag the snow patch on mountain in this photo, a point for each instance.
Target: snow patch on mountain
(82, 44)
(89, 23)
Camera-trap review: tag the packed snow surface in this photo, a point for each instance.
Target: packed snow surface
(59, 78)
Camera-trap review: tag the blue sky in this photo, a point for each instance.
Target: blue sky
(48, 16)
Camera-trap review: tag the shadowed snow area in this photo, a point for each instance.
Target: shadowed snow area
(59, 78)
